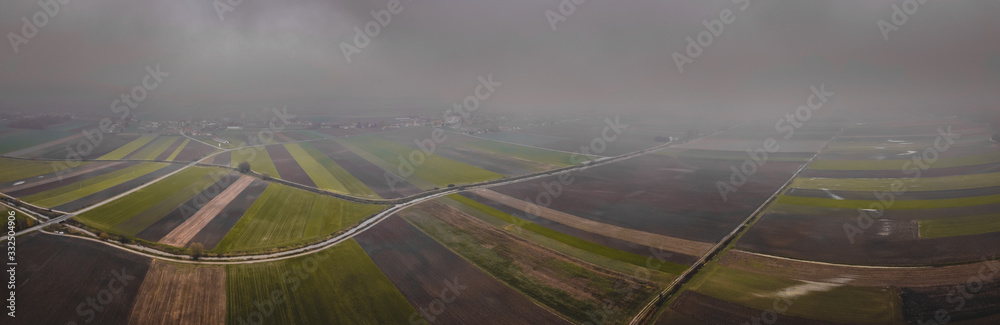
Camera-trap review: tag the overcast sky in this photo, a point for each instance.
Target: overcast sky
(606, 56)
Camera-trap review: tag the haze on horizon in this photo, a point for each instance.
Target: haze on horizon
(611, 57)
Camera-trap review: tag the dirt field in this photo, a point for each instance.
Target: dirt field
(181, 294)
(162, 227)
(421, 269)
(960, 301)
(861, 276)
(670, 196)
(615, 243)
(889, 241)
(720, 312)
(225, 220)
(899, 173)
(56, 275)
(679, 245)
(192, 151)
(288, 168)
(181, 235)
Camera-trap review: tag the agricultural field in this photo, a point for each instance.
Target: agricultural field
(80, 194)
(128, 148)
(154, 148)
(569, 286)
(66, 273)
(137, 211)
(259, 159)
(181, 294)
(340, 284)
(851, 217)
(422, 269)
(21, 220)
(325, 172)
(20, 169)
(434, 171)
(373, 176)
(24, 142)
(284, 216)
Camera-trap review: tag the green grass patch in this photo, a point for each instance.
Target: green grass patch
(897, 205)
(131, 214)
(556, 158)
(15, 169)
(339, 285)
(435, 169)
(154, 149)
(627, 257)
(721, 155)
(72, 192)
(959, 226)
(285, 216)
(840, 304)
(178, 150)
(128, 148)
(971, 160)
(945, 183)
(260, 161)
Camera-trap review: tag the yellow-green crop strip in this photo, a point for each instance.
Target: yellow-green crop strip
(128, 148)
(71, 192)
(945, 183)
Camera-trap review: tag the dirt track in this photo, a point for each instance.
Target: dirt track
(862, 275)
(187, 230)
(674, 244)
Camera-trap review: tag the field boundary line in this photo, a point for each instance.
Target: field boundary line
(677, 284)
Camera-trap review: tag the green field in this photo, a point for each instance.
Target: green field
(260, 160)
(978, 159)
(178, 150)
(627, 257)
(284, 216)
(71, 192)
(15, 169)
(133, 213)
(828, 302)
(721, 155)
(128, 148)
(325, 172)
(154, 149)
(21, 220)
(959, 226)
(434, 171)
(339, 285)
(555, 158)
(946, 183)
(897, 205)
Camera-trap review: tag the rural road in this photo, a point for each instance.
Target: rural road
(347, 234)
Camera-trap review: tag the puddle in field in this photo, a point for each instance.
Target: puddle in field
(810, 287)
